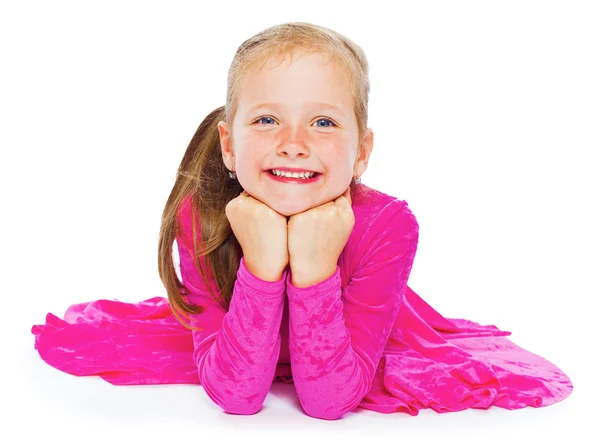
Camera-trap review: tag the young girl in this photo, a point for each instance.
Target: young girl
(291, 269)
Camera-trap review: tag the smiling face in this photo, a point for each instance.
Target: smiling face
(298, 115)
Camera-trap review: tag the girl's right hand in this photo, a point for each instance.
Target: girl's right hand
(262, 234)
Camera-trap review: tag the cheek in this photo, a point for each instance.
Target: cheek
(257, 143)
(252, 149)
(338, 158)
(252, 138)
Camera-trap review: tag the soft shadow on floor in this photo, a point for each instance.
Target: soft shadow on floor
(286, 392)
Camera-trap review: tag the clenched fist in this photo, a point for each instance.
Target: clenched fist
(262, 234)
(317, 237)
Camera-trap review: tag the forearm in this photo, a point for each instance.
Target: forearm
(328, 374)
(238, 369)
(305, 274)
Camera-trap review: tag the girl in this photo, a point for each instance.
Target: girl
(291, 269)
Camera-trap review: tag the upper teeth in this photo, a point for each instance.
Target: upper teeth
(288, 174)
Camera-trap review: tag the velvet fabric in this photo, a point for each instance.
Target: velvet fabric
(361, 338)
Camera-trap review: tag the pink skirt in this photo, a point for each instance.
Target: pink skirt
(444, 364)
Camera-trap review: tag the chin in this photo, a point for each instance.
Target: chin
(289, 208)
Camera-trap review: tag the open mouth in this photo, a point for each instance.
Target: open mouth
(315, 177)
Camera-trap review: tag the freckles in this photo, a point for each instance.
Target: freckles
(257, 157)
(256, 141)
(252, 146)
(250, 141)
(338, 154)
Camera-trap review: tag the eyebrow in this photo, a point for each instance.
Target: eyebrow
(279, 106)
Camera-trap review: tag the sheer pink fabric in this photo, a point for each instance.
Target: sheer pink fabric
(361, 338)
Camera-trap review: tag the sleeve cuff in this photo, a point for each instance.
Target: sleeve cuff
(329, 285)
(257, 284)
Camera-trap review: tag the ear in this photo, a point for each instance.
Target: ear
(226, 145)
(364, 152)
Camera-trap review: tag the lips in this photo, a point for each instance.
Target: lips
(283, 179)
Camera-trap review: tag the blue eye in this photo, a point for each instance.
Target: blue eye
(328, 120)
(263, 117)
(320, 119)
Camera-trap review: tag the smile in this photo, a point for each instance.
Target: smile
(285, 180)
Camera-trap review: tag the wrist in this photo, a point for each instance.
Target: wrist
(263, 273)
(303, 276)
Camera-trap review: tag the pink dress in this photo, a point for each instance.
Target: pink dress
(361, 338)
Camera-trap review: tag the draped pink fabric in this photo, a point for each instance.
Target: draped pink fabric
(361, 338)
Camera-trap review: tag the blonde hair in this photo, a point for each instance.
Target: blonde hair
(203, 176)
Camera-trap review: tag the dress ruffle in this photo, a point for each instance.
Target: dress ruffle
(429, 362)
(450, 365)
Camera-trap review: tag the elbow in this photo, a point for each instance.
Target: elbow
(323, 412)
(232, 404)
(238, 405)
(237, 408)
(328, 409)
(227, 400)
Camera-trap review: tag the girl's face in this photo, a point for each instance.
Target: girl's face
(298, 115)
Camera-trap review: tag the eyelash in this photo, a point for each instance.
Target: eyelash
(323, 118)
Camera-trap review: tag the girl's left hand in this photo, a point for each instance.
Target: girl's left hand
(316, 238)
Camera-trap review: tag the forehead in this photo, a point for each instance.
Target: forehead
(304, 81)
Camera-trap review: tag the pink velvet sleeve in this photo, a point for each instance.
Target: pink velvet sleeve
(237, 351)
(337, 337)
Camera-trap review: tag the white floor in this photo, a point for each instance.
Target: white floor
(44, 403)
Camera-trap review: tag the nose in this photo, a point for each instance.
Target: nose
(293, 142)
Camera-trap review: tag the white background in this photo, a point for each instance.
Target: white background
(486, 118)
